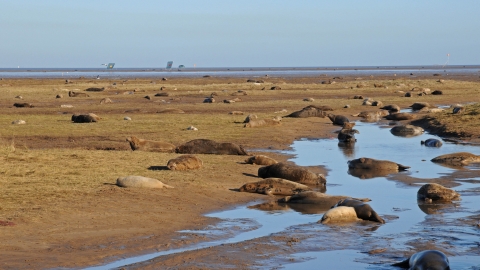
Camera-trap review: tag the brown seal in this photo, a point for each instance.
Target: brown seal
(185, 162)
(347, 133)
(407, 131)
(436, 192)
(293, 173)
(85, 118)
(338, 119)
(260, 160)
(274, 186)
(457, 159)
(148, 145)
(205, 146)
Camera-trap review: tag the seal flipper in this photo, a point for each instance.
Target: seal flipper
(403, 264)
(402, 167)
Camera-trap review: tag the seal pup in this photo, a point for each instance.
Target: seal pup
(261, 160)
(431, 143)
(185, 162)
(293, 173)
(338, 120)
(140, 181)
(436, 192)
(274, 186)
(339, 214)
(363, 210)
(424, 260)
(457, 159)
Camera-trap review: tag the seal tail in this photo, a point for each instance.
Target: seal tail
(402, 167)
(377, 218)
(167, 186)
(422, 142)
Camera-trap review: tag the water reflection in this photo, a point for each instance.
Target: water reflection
(348, 149)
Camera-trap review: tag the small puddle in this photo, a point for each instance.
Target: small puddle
(407, 222)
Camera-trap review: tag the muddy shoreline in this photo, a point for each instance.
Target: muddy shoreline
(101, 223)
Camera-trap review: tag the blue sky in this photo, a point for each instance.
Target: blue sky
(224, 33)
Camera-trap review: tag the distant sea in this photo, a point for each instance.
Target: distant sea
(71, 73)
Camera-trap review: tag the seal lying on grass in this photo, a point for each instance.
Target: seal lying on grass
(148, 145)
(185, 162)
(85, 118)
(205, 146)
(427, 259)
(140, 181)
(274, 186)
(260, 160)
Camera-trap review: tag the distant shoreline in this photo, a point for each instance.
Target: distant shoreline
(238, 71)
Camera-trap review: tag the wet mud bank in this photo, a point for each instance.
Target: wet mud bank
(266, 234)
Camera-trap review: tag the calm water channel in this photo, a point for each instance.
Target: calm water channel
(346, 247)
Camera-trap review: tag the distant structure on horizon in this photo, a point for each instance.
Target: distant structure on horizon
(169, 64)
(109, 65)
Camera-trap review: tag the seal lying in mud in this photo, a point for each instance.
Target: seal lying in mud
(339, 214)
(372, 116)
(205, 146)
(347, 133)
(457, 159)
(293, 173)
(424, 260)
(140, 181)
(364, 210)
(338, 120)
(185, 162)
(148, 145)
(391, 108)
(431, 143)
(274, 186)
(407, 131)
(260, 160)
(435, 192)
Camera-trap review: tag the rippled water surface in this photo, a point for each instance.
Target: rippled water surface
(407, 222)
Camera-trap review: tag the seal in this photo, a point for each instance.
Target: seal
(205, 146)
(400, 116)
(407, 131)
(338, 120)
(262, 122)
(436, 192)
(391, 108)
(376, 164)
(347, 133)
(315, 197)
(85, 118)
(149, 145)
(424, 260)
(457, 159)
(432, 143)
(140, 181)
(185, 162)
(311, 111)
(260, 160)
(420, 105)
(363, 210)
(274, 186)
(339, 214)
(293, 173)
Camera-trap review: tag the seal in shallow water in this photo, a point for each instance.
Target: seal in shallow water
(339, 214)
(431, 143)
(363, 210)
(457, 159)
(435, 192)
(426, 260)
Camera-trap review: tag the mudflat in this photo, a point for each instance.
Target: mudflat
(60, 207)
